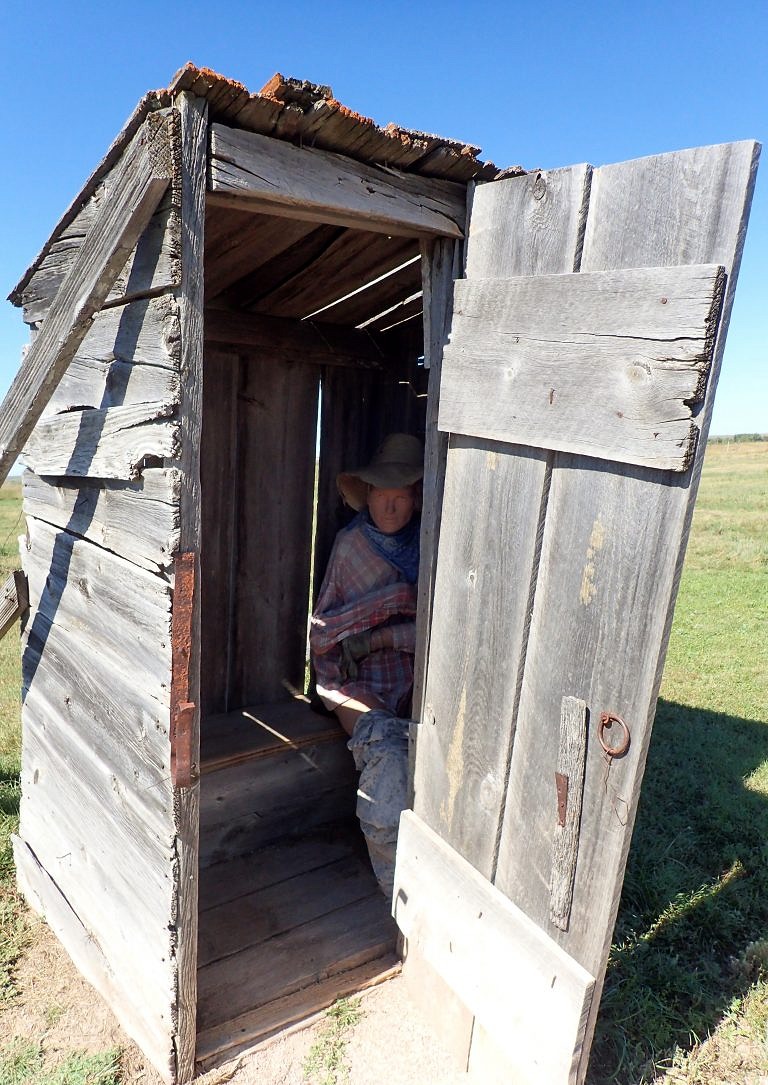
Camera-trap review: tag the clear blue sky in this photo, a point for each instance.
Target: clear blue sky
(544, 85)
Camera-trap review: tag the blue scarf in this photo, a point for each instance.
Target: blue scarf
(400, 549)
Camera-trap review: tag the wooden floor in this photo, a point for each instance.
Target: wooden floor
(300, 920)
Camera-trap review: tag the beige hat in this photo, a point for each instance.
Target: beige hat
(398, 461)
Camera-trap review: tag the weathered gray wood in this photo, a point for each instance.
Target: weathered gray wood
(406, 310)
(137, 520)
(237, 243)
(240, 1033)
(593, 579)
(151, 267)
(281, 268)
(276, 472)
(469, 702)
(144, 175)
(461, 763)
(440, 266)
(248, 806)
(282, 860)
(90, 385)
(376, 296)
(147, 1028)
(193, 136)
(528, 225)
(265, 913)
(109, 443)
(142, 790)
(289, 340)
(605, 364)
(571, 762)
(220, 510)
(332, 944)
(145, 332)
(130, 355)
(320, 186)
(260, 731)
(14, 600)
(93, 593)
(477, 940)
(345, 443)
(122, 723)
(76, 825)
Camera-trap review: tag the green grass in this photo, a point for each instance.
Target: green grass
(13, 926)
(23, 1063)
(687, 959)
(326, 1062)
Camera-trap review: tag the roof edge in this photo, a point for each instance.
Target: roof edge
(152, 100)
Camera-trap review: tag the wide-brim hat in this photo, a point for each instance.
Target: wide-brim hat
(397, 462)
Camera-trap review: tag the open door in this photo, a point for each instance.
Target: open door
(577, 389)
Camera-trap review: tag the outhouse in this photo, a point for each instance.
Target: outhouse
(247, 294)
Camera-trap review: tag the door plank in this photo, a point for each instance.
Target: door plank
(320, 186)
(479, 942)
(137, 520)
(110, 442)
(333, 943)
(143, 178)
(611, 557)
(475, 755)
(14, 600)
(605, 364)
(470, 702)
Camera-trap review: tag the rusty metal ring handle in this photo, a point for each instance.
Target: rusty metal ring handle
(607, 720)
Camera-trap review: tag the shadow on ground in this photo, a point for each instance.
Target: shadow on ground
(695, 898)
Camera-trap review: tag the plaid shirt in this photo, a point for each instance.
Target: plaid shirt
(362, 590)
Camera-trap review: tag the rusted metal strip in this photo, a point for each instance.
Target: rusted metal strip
(561, 784)
(184, 770)
(569, 783)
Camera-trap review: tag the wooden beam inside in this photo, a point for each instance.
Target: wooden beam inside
(487, 950)
(299, 182)
(295, 340)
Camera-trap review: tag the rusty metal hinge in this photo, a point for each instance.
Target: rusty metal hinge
(184, 767)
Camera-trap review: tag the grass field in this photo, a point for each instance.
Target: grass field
(690, 953)
(690, 958)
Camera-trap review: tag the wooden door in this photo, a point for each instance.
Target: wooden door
(576, 390)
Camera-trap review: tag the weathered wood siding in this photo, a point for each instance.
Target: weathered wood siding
(102, 850)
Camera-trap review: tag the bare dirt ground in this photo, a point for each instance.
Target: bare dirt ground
(390, 1044)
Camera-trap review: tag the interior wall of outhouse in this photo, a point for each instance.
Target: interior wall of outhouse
(278, 427)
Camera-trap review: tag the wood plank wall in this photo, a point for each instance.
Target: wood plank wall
(102, 500)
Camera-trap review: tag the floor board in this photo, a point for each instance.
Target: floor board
(283, 931)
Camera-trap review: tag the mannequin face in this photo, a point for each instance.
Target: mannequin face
(391, 509)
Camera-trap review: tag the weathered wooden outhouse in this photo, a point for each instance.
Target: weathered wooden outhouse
(247, 294)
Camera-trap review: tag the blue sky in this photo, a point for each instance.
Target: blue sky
(544, 85)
